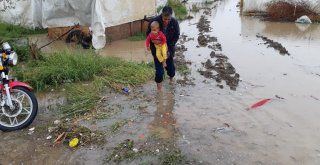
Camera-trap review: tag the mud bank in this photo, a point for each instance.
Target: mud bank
(221, 69)
(276, 45)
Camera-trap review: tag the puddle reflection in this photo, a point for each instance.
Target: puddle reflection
(164, 122)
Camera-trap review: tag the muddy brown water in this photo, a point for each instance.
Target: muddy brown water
(209, 124)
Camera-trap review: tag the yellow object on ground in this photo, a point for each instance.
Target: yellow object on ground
(74, 142)
(161, 52)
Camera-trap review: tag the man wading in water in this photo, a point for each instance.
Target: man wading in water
(170, 27)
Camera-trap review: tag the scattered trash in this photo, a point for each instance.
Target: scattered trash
(226, 124)
(59, 138)
(220, 86)
(181, 95)
(126, 90)
(49, 137)
(56, 122)
(278, 97)
(135, 150)
(226, 128)
(304, 20)
(315, 98)
(31, 131)
(74, 142)
(157, 150)
(260, 103)
(51, 129)
(167, 114)
(141, 136)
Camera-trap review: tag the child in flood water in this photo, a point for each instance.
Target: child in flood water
(161, 48)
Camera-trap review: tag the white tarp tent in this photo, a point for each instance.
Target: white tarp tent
(260, 5)
(98, 14)
(161, 3)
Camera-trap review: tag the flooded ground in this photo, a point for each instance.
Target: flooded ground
(214, 122)
(128, 50)
(209, 122)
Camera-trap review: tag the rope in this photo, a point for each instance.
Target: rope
(59, 36)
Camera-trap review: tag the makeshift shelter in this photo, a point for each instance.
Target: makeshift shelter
(120, 18)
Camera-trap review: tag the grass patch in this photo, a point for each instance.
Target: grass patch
(179, 9)
(23, 52)
(195, 8)
(66, 67)
(9, 31)
(146, 163)
(138, 37)
(81, 100)
(119, 124)
(129, 151)
(125, 152)
(172, 158)
(183, 70)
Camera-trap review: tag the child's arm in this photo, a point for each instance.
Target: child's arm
(148, 41)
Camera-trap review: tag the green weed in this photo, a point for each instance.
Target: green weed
(179, 9)
(195, 8)
(119, 124)
(9, 31)
(172, 158)
(67, 67)
(183, 69)
(138, 37)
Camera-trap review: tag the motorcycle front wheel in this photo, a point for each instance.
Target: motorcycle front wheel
(24, 112)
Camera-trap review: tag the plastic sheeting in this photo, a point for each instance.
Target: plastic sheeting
(23, 12)
(260, 5)
(98, 14)
(161, 3)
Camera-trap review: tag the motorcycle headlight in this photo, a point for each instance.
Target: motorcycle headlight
(13, 59)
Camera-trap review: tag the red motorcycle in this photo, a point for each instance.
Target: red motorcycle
(18, 104)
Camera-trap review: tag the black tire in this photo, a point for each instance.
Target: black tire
(75, 34)
(34, 111)
(80, 38)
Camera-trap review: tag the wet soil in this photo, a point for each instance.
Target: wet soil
(223, 69)
(202, 123)
(180, 61)
(276, 45)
